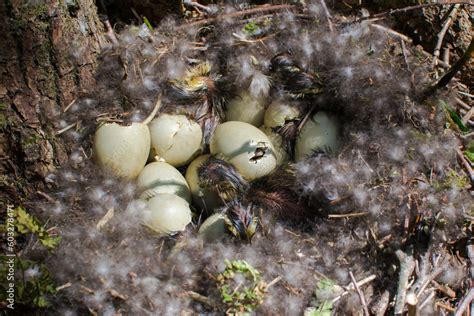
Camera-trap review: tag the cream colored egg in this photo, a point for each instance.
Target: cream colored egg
(205, 200)
(167, 214)
(246, 147)
(175, 138)
(122, 150)
(161, 177)
(280, 111)
(321, 132)
(213, 228)
(281, 154)
(246, 108)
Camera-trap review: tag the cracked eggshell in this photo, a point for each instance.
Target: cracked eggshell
(213, 228)
(245, 108)
(241, 143)
(161, 177)
(319, 132)
(204, 199)
(281, 154)
(278, 112)
(122, 150)
(175, 138)
(167, 214)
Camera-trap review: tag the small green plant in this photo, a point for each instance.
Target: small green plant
(147, 23)
(27, 224)
(251, 28)
(321, 303)
(454, 117)
(241, 287)
(453, 180)
(469, 152)
(33, 283)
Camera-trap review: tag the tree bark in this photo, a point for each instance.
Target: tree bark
(48, 58)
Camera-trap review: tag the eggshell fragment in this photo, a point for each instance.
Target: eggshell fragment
(122, 150)
(213, 228)
(279, 112)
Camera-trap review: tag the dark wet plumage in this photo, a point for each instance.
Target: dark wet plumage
(220, 176)
(296, 81)
(240, 219)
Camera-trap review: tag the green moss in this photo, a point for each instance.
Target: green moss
(46, 75)
(251, 28)
(30, 11)
(419, 135)
(3, 118)
(30, 141)
(453, 180)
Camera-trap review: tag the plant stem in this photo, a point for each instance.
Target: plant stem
(452, 71)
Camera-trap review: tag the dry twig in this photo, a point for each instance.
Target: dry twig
(406, 39)
(350, 287)
(201, 298)
(428, 279)
(109, 29)
(442, 33)
(454, 69)
(347, 215)
(446, 290)
(405, 58)
(65, 129)
(463, 305)
(407, 265)
(260, 9)
(385, 14)
(69, 105)
(392, 32)
(466, 166)
(151, 116)
(470, 250)
(446, 54)
(427, 300)
(359, 292)
(46, 196)
(380, 307)
(328, 15)
(104, 220)
(466, 94)
(273, 282)
(462, 104)
(64, 286)
(198, 7)
(467, 117)
(445, 306)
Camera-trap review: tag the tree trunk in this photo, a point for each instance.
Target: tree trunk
(47, 59)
